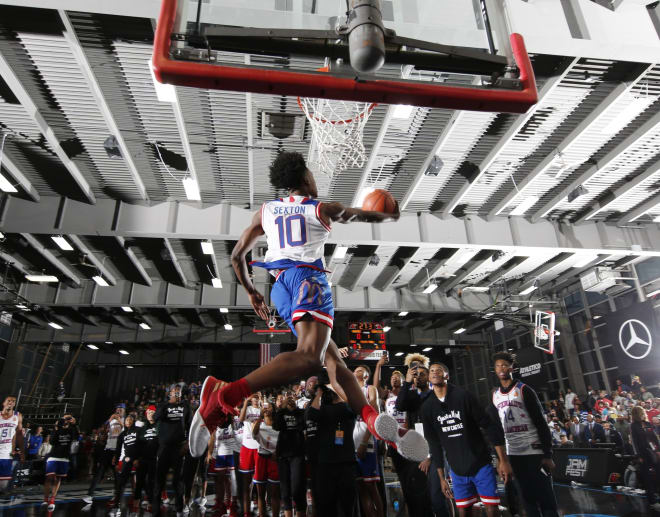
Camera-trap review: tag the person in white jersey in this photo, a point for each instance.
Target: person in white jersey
(528, 439)
(296, 227)
(266, 473)
(223, 445)
(249, 448)
(115, 426)
(11, 437)
(365, 447)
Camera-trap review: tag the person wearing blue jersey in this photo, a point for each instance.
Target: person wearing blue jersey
(296, 229)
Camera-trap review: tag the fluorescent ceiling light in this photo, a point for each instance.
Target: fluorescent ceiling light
(528, 290)
(489, 314)
(524, 205)
(224, 310)
(399, 354)
(584, 260)
(202, 367)
(386, 328)
(62, 243)
(21, 306)
(635, 106)
(6, 186)
(145, 326)
(2, 235)
(598, 316)
(55, 325)
(403, 313)
(126, 308)
(460, 331)
(192, 189)
(428, 349)
(128, 366)
(92, 347)
(216, 282)
(123, 352)
(413, 344)
(228, 326)
(430, 288)
(476, 288)
(653, 293)
(100, 281)
(41, 278)
(207, 247)
(164, 92)
(402, 111)
(340, 252)
(108, 342)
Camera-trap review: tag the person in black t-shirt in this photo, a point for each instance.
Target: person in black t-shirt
(173, 418)
(312, 452)
(336, 473)
(146, 471)
(57, 465)
(290, 451)
(126, 457)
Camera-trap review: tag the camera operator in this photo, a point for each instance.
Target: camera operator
(57, 466)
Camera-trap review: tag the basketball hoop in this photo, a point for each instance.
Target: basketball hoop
(544, 331)
(337, 128)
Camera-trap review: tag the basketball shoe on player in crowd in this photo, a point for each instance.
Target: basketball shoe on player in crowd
(213, 411)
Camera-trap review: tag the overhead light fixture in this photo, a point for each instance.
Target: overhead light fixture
(635, 106)
(123, 352)
(524, 205)
(413, 344)
(585, 260)
(21, 306)
(460, 331)
(56, 326)
(92, 347)
(6, 186)
(386, 328)
(597, 316)
(62, 243)
(578, 191)
(398, 354)
(528, 290)
(653, 293)
(129, 366)
(202, 367)
(428, 349)
(192, 188)
(164, 92)
(476, 288)
(489, 314)
(108, 342)
(126, 308)
(224, 310)
(111, 146)
(435, 166)
(2, 235)
(402, 111)
(430, 288)
(100, 281)
(403, 313)
(41, 278)
(216, 282)
(207, 247)
(340, 252)
(228, 326)
(144, 326)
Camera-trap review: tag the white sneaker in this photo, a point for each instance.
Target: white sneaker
(51, 507)
(186, 509)
(200, 501)
(88, 499)
(144, 503)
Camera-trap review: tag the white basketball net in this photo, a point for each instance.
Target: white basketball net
(337, 128)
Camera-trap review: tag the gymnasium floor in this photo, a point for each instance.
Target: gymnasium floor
(573, 502)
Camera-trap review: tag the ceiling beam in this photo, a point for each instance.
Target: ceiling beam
(432, 267)
(641, 210)
(508, 266)
(105, 272)
(570, 275)
(517, 124)
(399, 260)
(134, 260)
(92, 82)
(623, 190)
(531, 278)
(467, 269)
(57, 263)
(250, 137)
(573, 138)
(651, 125)
(175, 263)
(48, 133)
(15, 263)
(14, 170)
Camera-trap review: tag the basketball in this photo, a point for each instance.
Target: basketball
(379, 201)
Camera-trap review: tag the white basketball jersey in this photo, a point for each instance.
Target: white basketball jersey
(519, 430)
(7, 431)
(238, 434)
(294, 230)
(225, 441)
(267, 439)
(390, 409)
(361, 426)
(251, 416)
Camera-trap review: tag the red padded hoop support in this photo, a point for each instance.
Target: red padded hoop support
(312, 84)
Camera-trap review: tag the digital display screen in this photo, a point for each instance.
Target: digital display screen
(366, 341)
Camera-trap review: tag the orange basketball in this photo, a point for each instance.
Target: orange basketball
(379, 201)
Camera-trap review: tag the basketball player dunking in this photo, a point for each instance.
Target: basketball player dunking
(11, 436)
(296, 228)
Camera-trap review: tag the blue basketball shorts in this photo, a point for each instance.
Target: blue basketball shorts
(299, 291)
(57, 468)
(469, 489)
(6, 467)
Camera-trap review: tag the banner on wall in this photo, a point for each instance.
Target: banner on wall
(531, 369)
(633, 334)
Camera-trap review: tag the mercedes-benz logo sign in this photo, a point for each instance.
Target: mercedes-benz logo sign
(635, 339)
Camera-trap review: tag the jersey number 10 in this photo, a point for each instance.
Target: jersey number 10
(285, 229)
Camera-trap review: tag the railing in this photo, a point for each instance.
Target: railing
(42, 410)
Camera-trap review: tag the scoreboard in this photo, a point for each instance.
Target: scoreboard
(366, 341)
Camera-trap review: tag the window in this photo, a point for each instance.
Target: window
(574, 302)
(648, 270)
(583, 341)
(578, 321)
(589, 362)
(595, 297)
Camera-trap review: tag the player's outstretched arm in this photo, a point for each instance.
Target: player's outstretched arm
(243, 247)
(336, 212)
